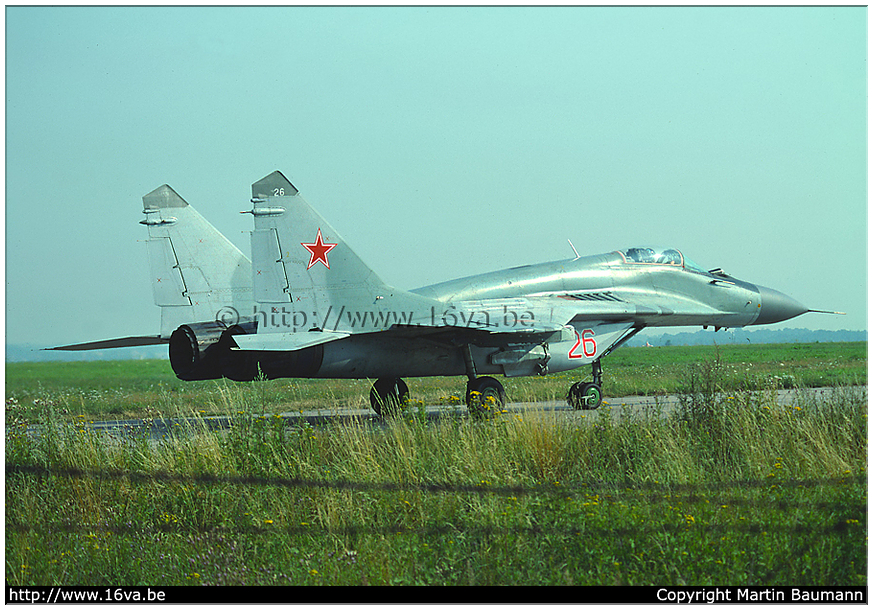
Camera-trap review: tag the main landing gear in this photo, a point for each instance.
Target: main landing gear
(389, 396)
(587, 395)
(485, 395)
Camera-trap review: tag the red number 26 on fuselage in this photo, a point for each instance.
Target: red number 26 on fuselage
(586, 340)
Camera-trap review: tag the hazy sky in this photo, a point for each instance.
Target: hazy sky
(440, 142)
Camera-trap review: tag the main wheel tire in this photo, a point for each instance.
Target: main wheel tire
(485, 396)
(585, 396)
(388, 396)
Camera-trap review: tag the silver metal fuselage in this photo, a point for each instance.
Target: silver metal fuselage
(599, 289)
(306, 305)
(606, 287)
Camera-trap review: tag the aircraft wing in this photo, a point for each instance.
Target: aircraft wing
(280, 342)
(112, 343)
(460, 335)
(480, 323)
(293, 341)
(495, 323)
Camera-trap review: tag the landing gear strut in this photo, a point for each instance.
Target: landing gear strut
(389, 396)
(587, 395)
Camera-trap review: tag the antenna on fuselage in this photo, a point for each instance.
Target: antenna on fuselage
(574, 249)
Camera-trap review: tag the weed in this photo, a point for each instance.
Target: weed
(732, 487)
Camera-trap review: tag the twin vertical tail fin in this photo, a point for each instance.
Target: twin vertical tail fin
(199, 278)
(304, 277)
(197, 274)
(302, 268)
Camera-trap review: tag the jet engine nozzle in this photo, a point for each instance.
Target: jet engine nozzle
(777, 307)
(204, 351)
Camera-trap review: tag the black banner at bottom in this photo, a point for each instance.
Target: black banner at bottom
(516, 595)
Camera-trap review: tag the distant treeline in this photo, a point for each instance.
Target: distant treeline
(735, 336)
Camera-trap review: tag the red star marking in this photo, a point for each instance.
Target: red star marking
(318, 251)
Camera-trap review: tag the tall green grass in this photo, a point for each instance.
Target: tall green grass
(731, 488)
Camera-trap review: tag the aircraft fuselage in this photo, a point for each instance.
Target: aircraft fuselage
(306, 305)
(596, 293)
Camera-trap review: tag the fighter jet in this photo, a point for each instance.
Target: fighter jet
(307, 306)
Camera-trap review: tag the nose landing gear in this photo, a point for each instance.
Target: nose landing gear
(587, 395)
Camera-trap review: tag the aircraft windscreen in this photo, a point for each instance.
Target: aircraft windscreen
(659, 256)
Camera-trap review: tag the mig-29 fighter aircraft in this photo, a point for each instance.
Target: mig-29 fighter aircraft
(306, 307)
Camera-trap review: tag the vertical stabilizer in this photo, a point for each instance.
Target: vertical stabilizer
(303, 269)
(197, 274)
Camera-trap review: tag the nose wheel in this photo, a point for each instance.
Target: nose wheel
(587, 395)
(389, 396)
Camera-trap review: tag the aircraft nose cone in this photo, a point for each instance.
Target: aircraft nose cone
(777, 307)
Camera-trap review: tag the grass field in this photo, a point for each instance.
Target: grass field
(731, 488)
(145, 388)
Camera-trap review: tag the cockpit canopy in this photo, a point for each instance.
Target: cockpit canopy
(650, 255)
